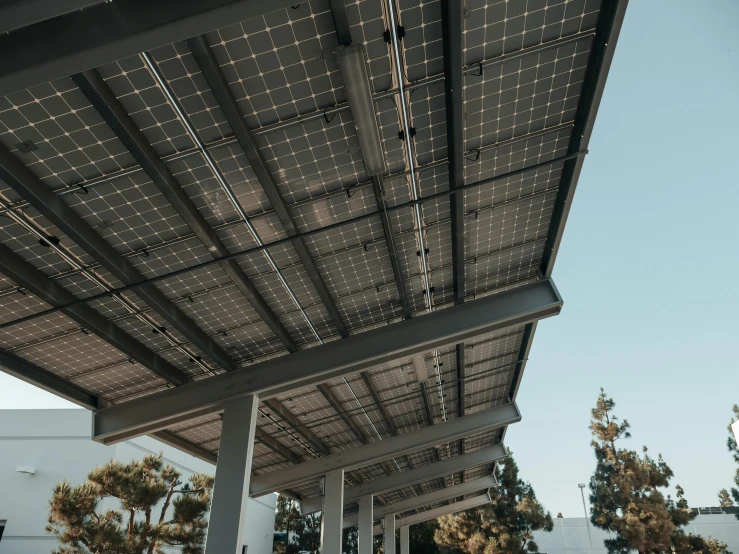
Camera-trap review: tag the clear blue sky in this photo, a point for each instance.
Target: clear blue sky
(648, 266)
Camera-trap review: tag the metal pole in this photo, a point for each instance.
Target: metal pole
(405, 539)
(585, 509)
(333, 512)
(389, 533)
(233, 471)
(364, 542)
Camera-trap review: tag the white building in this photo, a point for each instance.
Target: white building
(39, 448)
(570, 535)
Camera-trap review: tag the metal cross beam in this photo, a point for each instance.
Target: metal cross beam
(225, 98)
(110, 31)
(380, 199)
(389, 448)
(416, 502)
(418, 475)
(335, 403)
(16, 14)
(337, 358)
(315, 442)
(451, 27)
(105, 102)
(51, 292)
(23, 181)
(460, 506)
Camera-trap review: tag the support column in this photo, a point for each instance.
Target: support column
(332, 522)
(233, 471)
(366, 519)
(389, 532)
(405, 540)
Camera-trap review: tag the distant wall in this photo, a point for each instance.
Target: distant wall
(57, 444)
(570, 535)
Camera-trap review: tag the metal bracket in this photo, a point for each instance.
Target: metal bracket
(325, 116)
(479, 70)
(49, 241)
(26, 147)
(477, 155)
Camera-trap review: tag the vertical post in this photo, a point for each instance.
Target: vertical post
(389, 524)
(233, 471)
(365, 530)
(405, 540)
(585, 509)
(332, 522)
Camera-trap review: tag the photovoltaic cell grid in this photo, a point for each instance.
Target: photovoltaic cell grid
(518, 112)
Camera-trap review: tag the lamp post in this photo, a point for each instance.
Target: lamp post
(585, 509)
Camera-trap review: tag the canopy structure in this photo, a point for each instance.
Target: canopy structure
(293, 239)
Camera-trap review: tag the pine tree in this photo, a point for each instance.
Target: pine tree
(505, 526)
(724, 499)
(134, 528)
(286, 518)
(625, 493)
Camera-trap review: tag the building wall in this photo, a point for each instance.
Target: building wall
(57, 445)
(570, 535)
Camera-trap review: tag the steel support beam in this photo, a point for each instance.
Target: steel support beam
(51, 292)
(426, 404)
(380, 199)
(335, 403)
(418, 475)
(336, 358)
(405, 542)
(386, 449)
(110, 31)
(341, 22)
(333, 511)
(415, 502)
(225, 98)
(233, 472)
(365, 519)
(282, 412)
(451, 27)
(16, 14)
(428, 515)
(105, 102)
(387, 420)
(273, 444)
(23, 181)
(388, 529)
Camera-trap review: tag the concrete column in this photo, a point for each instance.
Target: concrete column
(365, 525)
(332, 522)
(233, 471)
(389, 531)
(405, 540)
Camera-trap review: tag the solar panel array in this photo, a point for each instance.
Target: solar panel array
(525, 66)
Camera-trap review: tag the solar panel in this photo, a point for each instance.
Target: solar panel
(527, 64)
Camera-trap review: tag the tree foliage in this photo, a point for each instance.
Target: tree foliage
(308, 530)
(625, 493)
(505, 526)
(143, 524)
(421, 537)
(286, 518)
